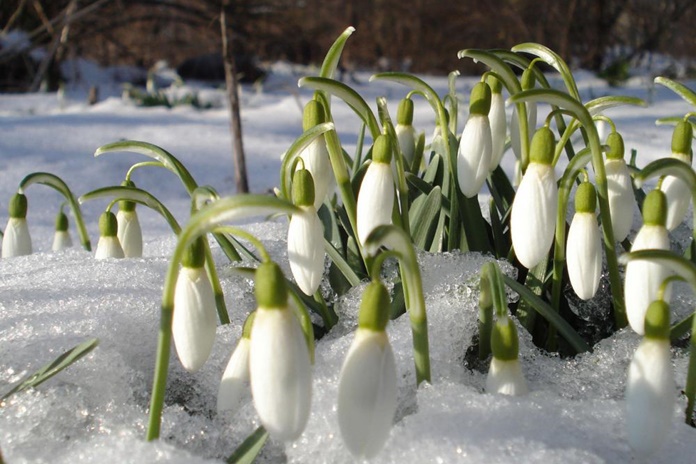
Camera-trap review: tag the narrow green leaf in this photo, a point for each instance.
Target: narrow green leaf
(497, 65)
(681, 328)
(342, 265)
(683, 91)
(598, 105)
(333, 56)
(500, 240)
(424, 212)
(246, 452)
(552, 59)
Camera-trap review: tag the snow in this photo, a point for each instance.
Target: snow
(96, 410)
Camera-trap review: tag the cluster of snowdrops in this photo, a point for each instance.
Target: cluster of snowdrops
(399, 196)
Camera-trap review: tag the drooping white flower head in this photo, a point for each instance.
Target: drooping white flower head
(475, 144)
(129, 232)
(619, 187)
(533, 216)
(504, 374)
(498, 121)
(367, 387)
(235, 380)
(195, 318)
(279, 362)
(376, 196)
(305, 236)
(643, 278)
(61, 237)
(527, 83)
(316, 156)
(108, 245)
(676, 190)
(405, 132)
(584, 244)
(16, 240)
(650, 387)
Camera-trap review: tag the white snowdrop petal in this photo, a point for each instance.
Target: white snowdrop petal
(306, 249)
(498, 122)
(650, 397)
(61, 240)
(584, 255)
(280, 371)
(474, 156)
(367, 393)
(505, 377)
(643, 278)
(195, 319)
(16, 240)
(109, 247)
(533, 216)
(316, 160)
(406, 135)
(678, 200)
(130, 234)
(620, 195)
(375, 199)
(235, 380)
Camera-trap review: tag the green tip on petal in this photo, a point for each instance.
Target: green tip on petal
(302, 188)
(494, 83)
(585, 198)
(655, 208)
(61, 222)
(504, 341)
(480, 101)
(404, 115)
(681, 138)
(194, 257)
(616, 146)
(108, 225)
(18, 206)
(127, 205)
(657, 320)
(382, 149)
(375, 307)
(528, 80)
(543, 146)
(270, 287)
(313, 115)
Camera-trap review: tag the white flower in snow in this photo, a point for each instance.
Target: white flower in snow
(498, 121)
(376, 196)
(475, 145)
(61, 237)
(405, 132)
(676, 190)
(279, 363)
(367, 387)
(650, 387)
(195, 319)
(235, 380)
(316, 156)
(643, 278)
(533, 216)
(584, 244)
(108, 245)
(619, 187)
(16, 240)
(129, 232)
(504, 374)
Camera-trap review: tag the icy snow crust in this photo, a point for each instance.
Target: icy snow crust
(96, 410)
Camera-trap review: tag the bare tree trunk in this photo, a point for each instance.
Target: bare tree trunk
(240, 175)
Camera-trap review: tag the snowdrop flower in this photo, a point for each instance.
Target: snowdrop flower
(235, 380)
(643, 278)
(61, 238)
(533, 216)
(528, 81)
(367, 388)
(498, 121)
(376, 196)
(584, 245)
(316, 156)
(475, 145)
(279, 363)
(405, 132)
(676, 190)
(194, 320)
(650, 388)
(108, 245)
(16, 240)
(619, 187)
(504, 374)
(305, 236)
(129, 232)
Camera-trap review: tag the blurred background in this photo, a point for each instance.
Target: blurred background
(423, 36)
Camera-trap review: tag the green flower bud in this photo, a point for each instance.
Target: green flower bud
(655, 208)
(194, 257)
(657, 320)
(681, 138)
(504, 341)
(313, 115)
(528, 79)
(18, 206)
(374, 307)
(302, 188)
(61, 222)
(585, 198)
(616, 146)
(382, 150)
(480, 99)
(404, 115)
(108, 225)
(543, 146)
(270, 287)
(494, 83)
(127, 205)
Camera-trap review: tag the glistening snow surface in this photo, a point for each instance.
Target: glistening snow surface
(96, 410)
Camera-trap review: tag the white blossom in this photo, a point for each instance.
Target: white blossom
(61, 240)
(375, 199)
(505, 377)
(621, 199)
(16, 240)
(109, 247)
(130, 234)
(584, 254)
(306, 249)
(474, 155)
(235, 380)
